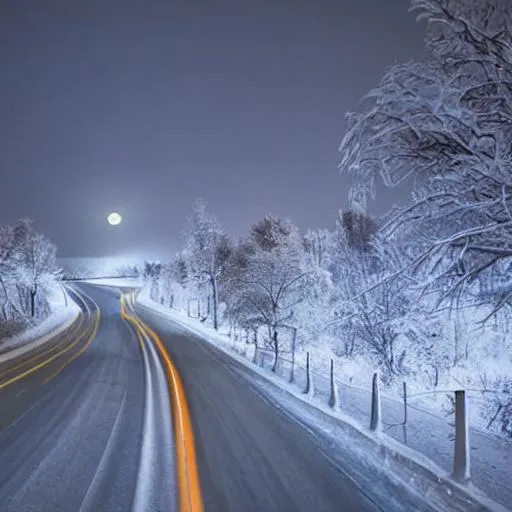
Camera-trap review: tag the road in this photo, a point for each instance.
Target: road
(252, 456)
(71, 432)
(93, 429)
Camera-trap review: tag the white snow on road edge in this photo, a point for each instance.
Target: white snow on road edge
(60, 319)
(224, 343)
(121, 282)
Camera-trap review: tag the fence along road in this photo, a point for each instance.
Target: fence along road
(426, 432)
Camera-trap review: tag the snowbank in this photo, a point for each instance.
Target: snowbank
(120, 282)
(62, 317)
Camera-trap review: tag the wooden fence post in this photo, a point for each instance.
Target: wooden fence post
(309, 389)
(461, 459)
(376, 407)
(292, 370)
(333, 398)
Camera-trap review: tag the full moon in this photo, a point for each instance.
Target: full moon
(114, 219)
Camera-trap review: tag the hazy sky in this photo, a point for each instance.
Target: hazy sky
(142, 106)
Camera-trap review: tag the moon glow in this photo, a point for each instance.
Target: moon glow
(114, 219)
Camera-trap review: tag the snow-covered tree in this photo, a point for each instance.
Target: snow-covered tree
(7, 269)
(207, 250)
(319, 246)
(28, 275)
(151, 275)
(446, 123)
(269, 279)
(35, 260)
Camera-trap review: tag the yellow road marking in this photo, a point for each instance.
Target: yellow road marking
(190, 498)
(141, 341)
(32, 359)
(80, 352)
(38, 366)
(47, 361)
(72, 330)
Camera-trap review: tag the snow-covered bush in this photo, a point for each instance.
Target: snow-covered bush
(498, 410)
(27, 276)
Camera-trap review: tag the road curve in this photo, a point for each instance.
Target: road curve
(86, 425)
(76, 433)
(252, 457)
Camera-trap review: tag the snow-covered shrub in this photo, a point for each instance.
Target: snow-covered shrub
(27, 276)
(498, 410)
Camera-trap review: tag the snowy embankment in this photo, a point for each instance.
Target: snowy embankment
(120, 282)
(64, 312)
(415, 467)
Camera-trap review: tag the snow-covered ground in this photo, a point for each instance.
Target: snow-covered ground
(64, 312)
(426, 438)
(121, 282)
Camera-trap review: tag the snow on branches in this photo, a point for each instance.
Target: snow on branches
(27, 273)
(445, 124)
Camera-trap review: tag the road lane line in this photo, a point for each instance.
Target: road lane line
(155, 477)
(81, 296)
(188, 473)
(47, 361)
(80, 352)
(89, 340)
(147, 462)
(74, 330)
(35, 357)
(33, 369)
(103, 468)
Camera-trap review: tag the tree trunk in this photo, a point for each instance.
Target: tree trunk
(276, 349)
(22, 295)
(6, 301)
(33, 294)
(255, 358)
(214, 301)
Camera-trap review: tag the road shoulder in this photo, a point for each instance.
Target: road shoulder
(40, 334)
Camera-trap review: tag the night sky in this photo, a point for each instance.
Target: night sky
(142, 106)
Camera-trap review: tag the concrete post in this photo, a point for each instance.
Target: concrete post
(309, 389)
(376, 407)
(255, 340)
(333, 398)
(292, 371)
(461, 462)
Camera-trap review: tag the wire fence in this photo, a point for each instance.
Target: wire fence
(404, 418)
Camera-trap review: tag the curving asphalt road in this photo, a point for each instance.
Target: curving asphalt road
(254, 457)
(92, 428)
(75, 442)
